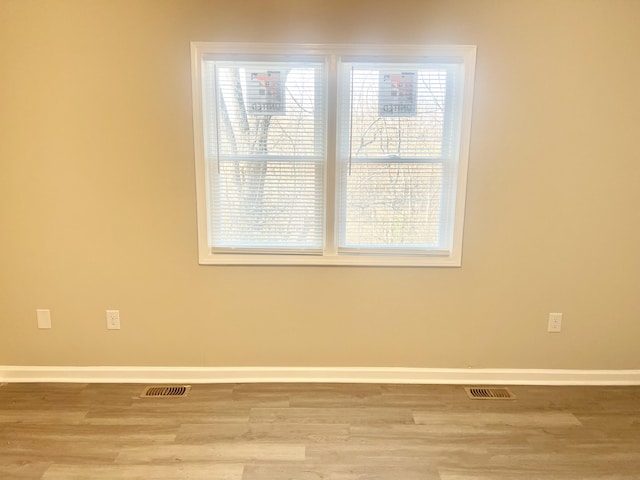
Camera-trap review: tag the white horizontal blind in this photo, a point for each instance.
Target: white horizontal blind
(264, 140)
(399, 136)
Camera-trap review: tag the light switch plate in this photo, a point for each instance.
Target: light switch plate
(44, 318)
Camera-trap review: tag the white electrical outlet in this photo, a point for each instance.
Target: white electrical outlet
(113, 319)
(44, 318)
(555, 322)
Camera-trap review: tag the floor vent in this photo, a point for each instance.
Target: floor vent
(484, 393)
(161, 391)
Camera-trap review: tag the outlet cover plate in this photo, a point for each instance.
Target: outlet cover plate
(555, 322)
(113, 319)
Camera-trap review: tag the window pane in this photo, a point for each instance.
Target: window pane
(393, 205)
(269, 204)
(269, 109)
(397, 111)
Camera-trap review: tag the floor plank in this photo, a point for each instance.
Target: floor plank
(204, 471)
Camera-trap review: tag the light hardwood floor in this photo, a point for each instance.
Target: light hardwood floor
(318, 431)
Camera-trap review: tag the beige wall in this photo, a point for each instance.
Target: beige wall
(97, 201)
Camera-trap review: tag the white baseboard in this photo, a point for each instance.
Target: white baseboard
(484, 376)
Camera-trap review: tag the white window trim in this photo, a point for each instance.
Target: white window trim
(467, 53)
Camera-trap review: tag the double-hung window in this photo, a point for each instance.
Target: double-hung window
(331, 154)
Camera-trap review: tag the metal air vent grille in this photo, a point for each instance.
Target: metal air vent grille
(485, 393)
(160, 391)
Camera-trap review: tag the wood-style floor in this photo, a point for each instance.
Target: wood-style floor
(318, 431)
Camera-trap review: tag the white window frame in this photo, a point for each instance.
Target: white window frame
(466, 54)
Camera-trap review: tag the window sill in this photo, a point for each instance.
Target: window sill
(441, 260)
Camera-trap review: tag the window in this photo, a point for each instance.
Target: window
(331, 155)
